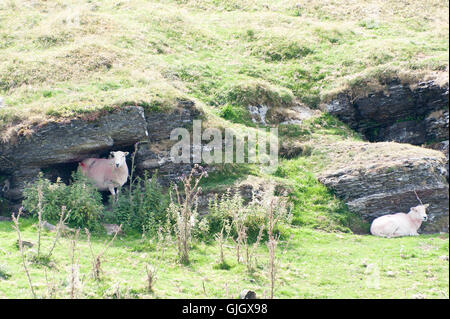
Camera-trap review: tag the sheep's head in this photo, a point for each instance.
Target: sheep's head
(119, 158)
(419, 212)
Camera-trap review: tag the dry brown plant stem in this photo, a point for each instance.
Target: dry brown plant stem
(16, 227)
(59, 228)
(272, 245)
(96, 259)
(74, 275)
(184, 211)
(152, 270)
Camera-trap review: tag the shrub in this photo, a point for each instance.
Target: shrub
(81, 198)
(142, 206)
(183, 212)
(230, 209)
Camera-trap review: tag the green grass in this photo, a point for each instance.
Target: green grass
(67, 58)
(314, 205)
(70, 58)
(316, 264)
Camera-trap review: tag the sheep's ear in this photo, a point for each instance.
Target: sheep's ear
(126, 153)
(426, 205)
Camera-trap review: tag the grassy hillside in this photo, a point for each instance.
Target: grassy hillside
(63, 58)
(315, 265)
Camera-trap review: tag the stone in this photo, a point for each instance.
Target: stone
(402, 113)
(154, 154)
(444, 148)
(247, 294)
(111, 229)
(294, 114)
(48, 226)
(258, 113)
(19, 180)
(399, 113)
(55, 143)
(385, 184)
(24, 244)
(52, 228)
(57, 147)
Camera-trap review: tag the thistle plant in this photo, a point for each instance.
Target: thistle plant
(183, 210)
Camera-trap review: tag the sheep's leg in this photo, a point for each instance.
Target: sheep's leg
(113, 193)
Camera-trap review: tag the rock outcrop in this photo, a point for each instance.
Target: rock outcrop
(55, 143)
(379, 184)
(56, 147)
(416, 115)
(154, 154)
(296, 114)
(399, 113)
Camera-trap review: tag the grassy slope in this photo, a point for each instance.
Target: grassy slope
(61, 59)
(316, 265)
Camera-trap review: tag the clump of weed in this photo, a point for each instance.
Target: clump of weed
(22, 252)
(50, 40)
(222, 238)
(183, 211)
(235, 114)
(45, 199)
(4, 273)
(255, 93)
(142, 206)
(278, 49)
(97, 258)
(153, 266)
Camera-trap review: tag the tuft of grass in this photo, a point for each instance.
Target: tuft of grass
(236, 114)
(275, 49)
(4, 273)
(256, 93)
(222, 266)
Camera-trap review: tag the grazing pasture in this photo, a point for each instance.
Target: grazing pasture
(316, 264)
(66, 61)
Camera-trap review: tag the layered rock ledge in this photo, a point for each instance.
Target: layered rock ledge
(400, 113)
(57, 148)
(374, 183)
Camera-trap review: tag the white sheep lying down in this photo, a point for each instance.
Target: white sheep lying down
(400, 224)
(107, 173)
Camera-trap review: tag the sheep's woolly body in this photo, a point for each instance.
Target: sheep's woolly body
(399, 224)
(105, 173)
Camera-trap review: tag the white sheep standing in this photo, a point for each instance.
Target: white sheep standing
(107, 173)
(400, 224)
